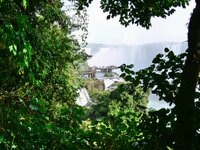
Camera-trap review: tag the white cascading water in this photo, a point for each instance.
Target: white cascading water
(83, 99)
(109, 81)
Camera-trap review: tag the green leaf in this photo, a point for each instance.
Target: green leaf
(14, 146)
(166, 50)
(49, 126)
(130, 66)
(24, 50)
(171, 55)
(25, 4)
(29, 128)
(156, 60)
(40, 17)
(1, 139)
(13, 49)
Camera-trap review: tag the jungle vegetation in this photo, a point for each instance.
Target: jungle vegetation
(40, 61)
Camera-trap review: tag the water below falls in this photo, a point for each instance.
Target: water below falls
(85, 100)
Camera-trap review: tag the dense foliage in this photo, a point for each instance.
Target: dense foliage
(163, 78)
(38, 75)
(114, 116)
(137, 12)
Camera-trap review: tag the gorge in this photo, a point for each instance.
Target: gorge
(139, 55)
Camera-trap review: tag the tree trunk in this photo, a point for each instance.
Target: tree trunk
(185, 130)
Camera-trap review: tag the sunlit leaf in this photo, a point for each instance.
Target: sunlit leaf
(25, 3)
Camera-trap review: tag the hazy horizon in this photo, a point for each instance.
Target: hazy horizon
(134, 44)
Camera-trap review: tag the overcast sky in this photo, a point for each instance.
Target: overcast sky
(172, 29)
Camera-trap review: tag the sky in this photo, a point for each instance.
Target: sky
(172, 29)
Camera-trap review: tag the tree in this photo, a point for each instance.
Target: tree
(185, 100)
(163, 78)
(39, 60)
(113, 118)
(140, 13)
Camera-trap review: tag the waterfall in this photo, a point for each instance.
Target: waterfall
(83, 98)
(109, 81)
(139, 55)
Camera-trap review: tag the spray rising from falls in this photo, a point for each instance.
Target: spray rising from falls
(139, 55)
